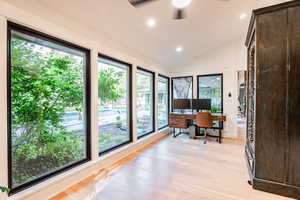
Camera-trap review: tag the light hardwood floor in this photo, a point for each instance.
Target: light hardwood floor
(173, 169)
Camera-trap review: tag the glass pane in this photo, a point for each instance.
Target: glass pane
(48, 118)
(144, 102)
(114, 102)
(210, 87)
(163, 101)
(183, 88)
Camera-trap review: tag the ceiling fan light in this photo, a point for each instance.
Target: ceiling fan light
(181, 3)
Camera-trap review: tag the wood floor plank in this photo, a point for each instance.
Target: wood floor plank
(174, 169)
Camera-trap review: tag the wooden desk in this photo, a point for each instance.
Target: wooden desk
(181, 121)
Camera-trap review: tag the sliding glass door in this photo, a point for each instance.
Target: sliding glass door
(114, 93)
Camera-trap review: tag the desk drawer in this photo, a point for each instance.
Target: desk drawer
(178, 123)
(184, 126)
(177, 116)
(177, 120)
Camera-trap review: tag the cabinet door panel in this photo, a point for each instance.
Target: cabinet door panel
(271, 135)
(294, 97)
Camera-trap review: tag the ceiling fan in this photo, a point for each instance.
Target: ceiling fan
(180, 5)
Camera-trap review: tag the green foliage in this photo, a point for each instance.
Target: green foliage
(45, 85)
(108, 140)
(215, 95)
(216, 109)
(109, 81)
(4, 189)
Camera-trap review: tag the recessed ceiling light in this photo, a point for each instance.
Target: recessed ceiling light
(243, 16)
(151, 22)
(179, 49)
(181, 3)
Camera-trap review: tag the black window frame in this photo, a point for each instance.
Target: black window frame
(172, 88)
(11, 26)
(221, 124)
(153, 102)
(100, 55)
(168, 78)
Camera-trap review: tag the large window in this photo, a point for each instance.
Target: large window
(211, 87)
(114, 91)
(48, 106)
(145, 102)
(182, 87)
(163, 101)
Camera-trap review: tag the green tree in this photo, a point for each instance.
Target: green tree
(45, 85)
(109, 82)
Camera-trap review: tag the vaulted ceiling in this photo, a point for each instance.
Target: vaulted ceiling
(209, 24)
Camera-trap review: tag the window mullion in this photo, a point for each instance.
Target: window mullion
(94, 106)
(134, 103)
(156, 101)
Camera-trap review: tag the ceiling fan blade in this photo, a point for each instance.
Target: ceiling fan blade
(179, 14)
(137, 3)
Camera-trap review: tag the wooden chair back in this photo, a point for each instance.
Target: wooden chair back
(204, 120)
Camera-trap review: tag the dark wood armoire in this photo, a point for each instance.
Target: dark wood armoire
(273, 99)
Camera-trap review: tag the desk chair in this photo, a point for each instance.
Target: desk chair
(204, 120)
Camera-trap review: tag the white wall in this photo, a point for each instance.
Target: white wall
(3, 99)
(226, 59)
(69, 30)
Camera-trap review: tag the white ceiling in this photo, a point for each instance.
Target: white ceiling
(209, 24)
